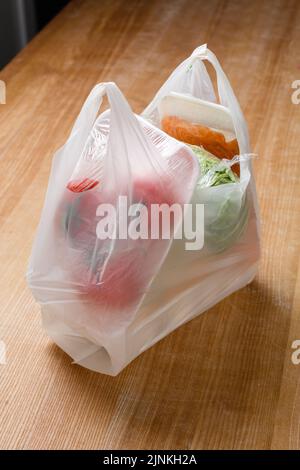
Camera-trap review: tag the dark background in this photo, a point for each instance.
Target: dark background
(20, 20)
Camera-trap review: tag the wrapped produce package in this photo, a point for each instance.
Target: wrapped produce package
(106, 299)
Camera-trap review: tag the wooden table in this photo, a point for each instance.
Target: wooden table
(226, 379)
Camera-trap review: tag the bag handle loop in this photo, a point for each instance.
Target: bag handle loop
(122, 122)
(120, 109)
(227, 96)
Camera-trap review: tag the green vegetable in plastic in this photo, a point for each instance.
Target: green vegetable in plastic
(225, 212)
(213, 171)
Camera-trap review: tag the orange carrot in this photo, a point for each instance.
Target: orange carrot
(196, 134)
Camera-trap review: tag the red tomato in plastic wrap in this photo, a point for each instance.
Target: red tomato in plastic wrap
(117, 284)
(119, 280)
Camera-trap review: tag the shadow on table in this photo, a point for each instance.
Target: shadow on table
(213, 383)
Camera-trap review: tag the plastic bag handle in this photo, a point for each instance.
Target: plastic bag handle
(118, 105)
(226, 95)
(127, 146)
(122, 122)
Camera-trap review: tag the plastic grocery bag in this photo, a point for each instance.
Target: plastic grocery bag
(91, 287)
(106, 296)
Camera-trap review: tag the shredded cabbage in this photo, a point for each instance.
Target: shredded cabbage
(225, 210)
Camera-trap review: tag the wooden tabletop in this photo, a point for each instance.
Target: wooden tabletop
(226, 379)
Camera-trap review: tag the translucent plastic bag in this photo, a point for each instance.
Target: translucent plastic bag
(91, 288)
(106, 300)
(231, 251)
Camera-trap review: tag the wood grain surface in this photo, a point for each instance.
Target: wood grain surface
(226, 379)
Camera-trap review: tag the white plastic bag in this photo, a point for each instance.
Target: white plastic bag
(104, 301)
